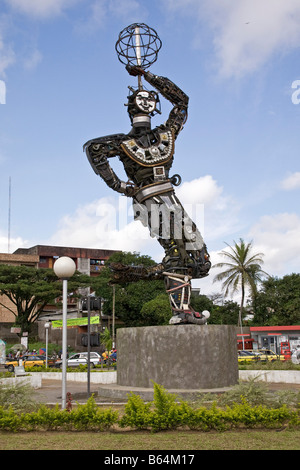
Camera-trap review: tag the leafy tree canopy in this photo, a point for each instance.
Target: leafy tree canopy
(31, 289)
(278, 301)
(156, 311)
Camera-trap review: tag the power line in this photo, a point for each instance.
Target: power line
(9, 214)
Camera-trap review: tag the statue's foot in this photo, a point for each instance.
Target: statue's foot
(188, 317)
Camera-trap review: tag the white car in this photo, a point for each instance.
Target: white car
(81, 358)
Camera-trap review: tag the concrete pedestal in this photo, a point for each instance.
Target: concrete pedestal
(183, 358)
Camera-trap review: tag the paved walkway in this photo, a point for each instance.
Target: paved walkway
(51, 391)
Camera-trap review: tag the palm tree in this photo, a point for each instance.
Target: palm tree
(106, 339)
(243, 269)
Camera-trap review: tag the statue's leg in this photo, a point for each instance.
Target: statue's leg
(178, 288)
(185, 257)
(185, 250)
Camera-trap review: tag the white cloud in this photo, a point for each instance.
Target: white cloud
(291, 182)
(33, 60)
(125, 8)
(7, 56)
(215, 212)
(248, 33)
(203, 190)
(278, 238)
(99, 12)
(251, 32)
(14, 244)
(106, 223)
(40, 8)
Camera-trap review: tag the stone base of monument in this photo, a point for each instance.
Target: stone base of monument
(184, 359)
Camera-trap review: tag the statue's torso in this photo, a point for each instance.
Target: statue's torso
(142, 154)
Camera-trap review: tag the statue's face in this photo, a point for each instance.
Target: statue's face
(145, 101)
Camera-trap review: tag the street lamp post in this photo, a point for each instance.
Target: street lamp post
(47, 326)
(113, 316)
(64, 268)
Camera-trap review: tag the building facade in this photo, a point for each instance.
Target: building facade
(271, 337)
(88, 261)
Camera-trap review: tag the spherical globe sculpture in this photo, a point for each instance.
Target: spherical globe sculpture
(138, 45)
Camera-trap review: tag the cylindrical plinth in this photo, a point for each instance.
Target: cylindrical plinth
(178, 357)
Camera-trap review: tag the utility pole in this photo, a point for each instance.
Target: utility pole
(9, 214)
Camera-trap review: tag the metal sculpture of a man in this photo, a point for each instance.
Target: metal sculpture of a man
(147, 155)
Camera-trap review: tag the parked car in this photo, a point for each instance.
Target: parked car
(269, 355)
(28, 361)
(81, 358)
(248, 356)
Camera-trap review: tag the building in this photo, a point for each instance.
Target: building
(88, 261)
(271, 337)
(19, 259)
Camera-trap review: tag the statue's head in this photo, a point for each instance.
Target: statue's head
(142, 104)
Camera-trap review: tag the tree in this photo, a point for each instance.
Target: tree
(130, 259)
(31, 289)
(226, 314)
(243, 269)
(106, 339)
(129, 296)
(201, 302)
(156, 312)
(278, 301)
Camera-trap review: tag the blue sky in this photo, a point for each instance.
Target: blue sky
(238, 154)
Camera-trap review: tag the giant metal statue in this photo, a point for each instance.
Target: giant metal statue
(147, 155)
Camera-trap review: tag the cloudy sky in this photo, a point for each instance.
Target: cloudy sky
(61, 84)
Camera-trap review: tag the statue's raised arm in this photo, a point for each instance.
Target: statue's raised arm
(176, 96)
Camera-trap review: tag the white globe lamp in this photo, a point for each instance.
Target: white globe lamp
(64, 267)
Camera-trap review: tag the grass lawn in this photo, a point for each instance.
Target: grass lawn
(168, 440)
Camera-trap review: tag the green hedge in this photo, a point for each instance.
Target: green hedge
(165, 412)
(82, 418)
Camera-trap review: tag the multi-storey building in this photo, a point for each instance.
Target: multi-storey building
(88, 261)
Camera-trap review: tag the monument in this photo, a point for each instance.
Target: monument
(147, 155)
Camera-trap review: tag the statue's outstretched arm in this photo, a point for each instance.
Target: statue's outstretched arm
(98, 151)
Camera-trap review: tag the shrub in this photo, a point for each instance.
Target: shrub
(164, 412)
(91, 417)
(167, 413)
(85, 417)
(19, 396)
(255, 392)
(137, 413)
